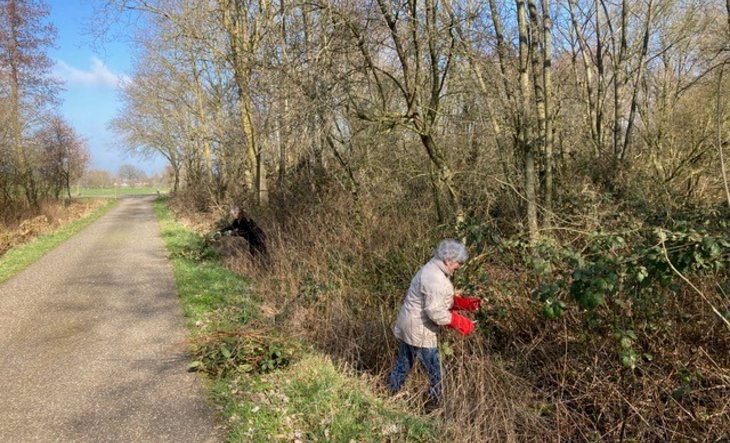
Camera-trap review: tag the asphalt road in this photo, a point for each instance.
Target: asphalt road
(93, 345)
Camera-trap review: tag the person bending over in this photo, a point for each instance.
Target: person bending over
(243, 226)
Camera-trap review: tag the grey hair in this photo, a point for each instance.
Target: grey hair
(451, 250)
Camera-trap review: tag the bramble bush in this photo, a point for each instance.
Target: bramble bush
(603, 326)
(615, 280)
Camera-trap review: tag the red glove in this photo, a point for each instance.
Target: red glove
(467, 303)
(463, 325)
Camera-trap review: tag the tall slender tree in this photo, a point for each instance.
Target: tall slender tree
(25, 36)
(524, 134)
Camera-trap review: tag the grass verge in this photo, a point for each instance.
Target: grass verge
(313, 400)
(266, 385)
(207, 290)
(20, 257)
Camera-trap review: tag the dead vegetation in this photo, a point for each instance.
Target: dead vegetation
(21, 226)
(338, 275)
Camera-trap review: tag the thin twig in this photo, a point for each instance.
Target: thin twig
(718, 313)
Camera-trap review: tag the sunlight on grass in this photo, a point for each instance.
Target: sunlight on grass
(299, 395)
(313, 401)
(203, 284)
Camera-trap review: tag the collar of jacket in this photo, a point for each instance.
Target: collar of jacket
(442, 266)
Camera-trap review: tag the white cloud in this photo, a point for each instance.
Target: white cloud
(98, 74)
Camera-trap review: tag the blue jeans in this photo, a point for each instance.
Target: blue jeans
(429, 358)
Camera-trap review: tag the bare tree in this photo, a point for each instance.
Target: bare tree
(423, 66)
(24, 38)
(65, 156)
(246, 23)
(131, 175)
(548, 136)
(97, 179)
(236, 92)
(524, 135)
(719, 141)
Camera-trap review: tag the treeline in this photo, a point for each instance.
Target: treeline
(40, 153)
(127, 176)
(472, 99)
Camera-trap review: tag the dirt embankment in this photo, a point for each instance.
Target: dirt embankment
(27, 225)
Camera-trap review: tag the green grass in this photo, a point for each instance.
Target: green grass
(119, 192)
(20, 257)
(204, 286)
(307, 399)
(313, 401)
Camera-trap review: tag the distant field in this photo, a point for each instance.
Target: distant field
(119, 192)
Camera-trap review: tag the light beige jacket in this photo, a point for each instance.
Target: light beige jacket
(426, 306)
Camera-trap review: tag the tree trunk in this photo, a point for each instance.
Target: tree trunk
(538, 81)
(203, 134)
(252, 172)
(719, 130)
(523, 132)
(436, 193)
(501, 50)
(176, 178)
(599, 82)
(619, 83)
(445, 176)
(25, 173)
(548, 87)
(637, 82)
(588, 66)
(242, 46)
(282, 141)
(262, 185)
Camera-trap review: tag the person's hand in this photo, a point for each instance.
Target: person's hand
(461, 324)
(466, 303)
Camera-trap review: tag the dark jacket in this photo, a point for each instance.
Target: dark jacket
(248, 229)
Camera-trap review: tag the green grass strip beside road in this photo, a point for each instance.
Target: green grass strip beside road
(203, 285)
(268, 387)
(20, 257)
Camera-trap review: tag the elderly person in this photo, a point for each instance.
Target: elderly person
(429, 304)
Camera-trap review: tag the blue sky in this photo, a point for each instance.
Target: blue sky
(92, 76)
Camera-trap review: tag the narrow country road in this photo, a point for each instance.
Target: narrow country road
(92, 342)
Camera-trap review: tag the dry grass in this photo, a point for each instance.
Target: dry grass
(26, 224)
(337, 278)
